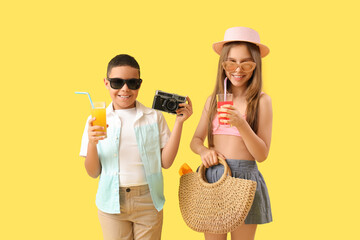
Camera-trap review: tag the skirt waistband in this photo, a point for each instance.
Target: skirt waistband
(242, 165)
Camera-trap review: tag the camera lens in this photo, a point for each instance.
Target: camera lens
(171, 104)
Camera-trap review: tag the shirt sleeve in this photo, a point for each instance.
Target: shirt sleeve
(85, 140)
(164, 130)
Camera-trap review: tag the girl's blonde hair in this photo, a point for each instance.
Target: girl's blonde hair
(254, 86)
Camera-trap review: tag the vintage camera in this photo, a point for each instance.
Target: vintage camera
(167, 102)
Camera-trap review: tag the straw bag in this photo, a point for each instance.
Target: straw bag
(218, 207)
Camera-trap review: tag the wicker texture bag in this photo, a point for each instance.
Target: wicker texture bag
(218, 207)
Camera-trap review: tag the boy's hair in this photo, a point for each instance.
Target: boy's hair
(122, 60)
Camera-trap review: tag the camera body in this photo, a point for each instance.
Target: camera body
(167, 102)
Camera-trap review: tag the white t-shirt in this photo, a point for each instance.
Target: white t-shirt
(132, 172)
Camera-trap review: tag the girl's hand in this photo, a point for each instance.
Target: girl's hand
(95, 133)
(185, 111)
(209, 157)
(235, 117)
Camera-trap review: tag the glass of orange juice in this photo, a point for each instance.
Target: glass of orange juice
(223, 99)
(99, 112)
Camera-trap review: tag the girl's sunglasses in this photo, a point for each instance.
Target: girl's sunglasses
(244, 66)
(118, 83)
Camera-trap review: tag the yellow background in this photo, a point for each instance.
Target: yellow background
(50, 49)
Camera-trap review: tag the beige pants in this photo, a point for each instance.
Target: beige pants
(138, 219)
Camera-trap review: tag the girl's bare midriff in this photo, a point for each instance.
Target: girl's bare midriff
(232, 147)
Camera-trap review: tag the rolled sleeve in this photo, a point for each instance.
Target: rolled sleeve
(164, 130)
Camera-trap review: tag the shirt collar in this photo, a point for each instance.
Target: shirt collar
(140, 109)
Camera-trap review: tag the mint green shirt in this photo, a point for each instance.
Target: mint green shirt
(152, 133)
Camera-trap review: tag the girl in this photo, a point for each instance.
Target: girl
(247, 139)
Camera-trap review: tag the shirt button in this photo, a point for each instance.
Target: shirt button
(128, 190)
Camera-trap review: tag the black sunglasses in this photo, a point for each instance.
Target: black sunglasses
(118, 83)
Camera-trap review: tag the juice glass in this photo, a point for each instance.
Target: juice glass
(223, 99)
(99, 112)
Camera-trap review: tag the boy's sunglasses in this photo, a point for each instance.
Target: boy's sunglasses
(118, 83)
(244, 66)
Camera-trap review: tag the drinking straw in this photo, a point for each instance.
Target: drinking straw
(92, 105)
(225, 88)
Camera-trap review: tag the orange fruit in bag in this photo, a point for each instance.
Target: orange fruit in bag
(184, 169)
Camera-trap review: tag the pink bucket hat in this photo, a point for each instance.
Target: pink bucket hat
(244, 34)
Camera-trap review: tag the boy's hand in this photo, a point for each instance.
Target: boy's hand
(185, 111)
(95, 133)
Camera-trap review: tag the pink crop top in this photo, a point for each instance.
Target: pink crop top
(223, 129)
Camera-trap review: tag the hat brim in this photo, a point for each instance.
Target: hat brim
(264, 50)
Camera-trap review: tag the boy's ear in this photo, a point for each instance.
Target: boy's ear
(107, 83)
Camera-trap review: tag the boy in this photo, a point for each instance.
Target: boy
(129, 159)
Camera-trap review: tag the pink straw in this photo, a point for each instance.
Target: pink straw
(225, 82)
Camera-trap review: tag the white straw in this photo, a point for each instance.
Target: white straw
(92, 105)
(225, 88)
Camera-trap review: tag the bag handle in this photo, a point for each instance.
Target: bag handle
(201, 173)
